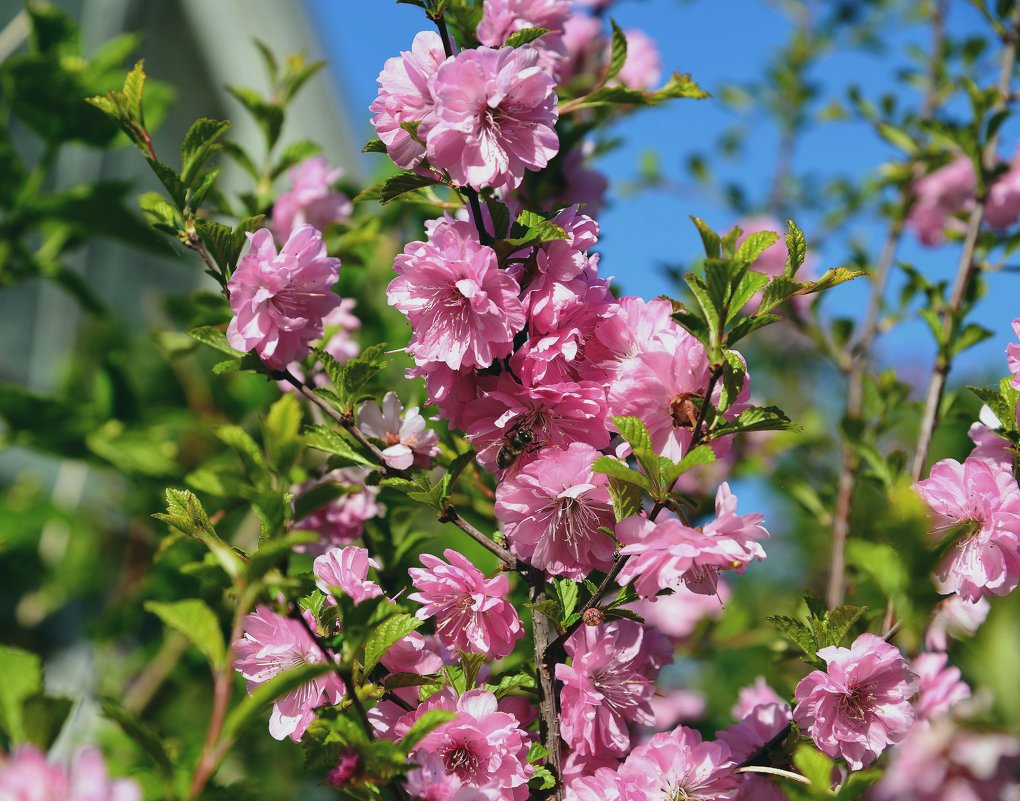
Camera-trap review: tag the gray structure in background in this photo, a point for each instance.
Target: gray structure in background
(199, 47)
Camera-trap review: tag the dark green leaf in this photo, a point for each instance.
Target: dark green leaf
(383, 636)
(525, 36)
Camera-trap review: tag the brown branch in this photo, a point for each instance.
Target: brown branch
(968, 264)
(548, 698)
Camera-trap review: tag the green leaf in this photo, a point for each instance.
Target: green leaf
(750, 284)
(796, 249)
(757, 418)
(508, 683)
(709, 308)
(616, 469)
(537, 752)
(829, 279)
(799, 633)
(403, 182)
(471, 664)
(709, 238)
(43, 718)
(426, 723)
(326, 439)
(839, 621)
(200, 143)
(525, 36)
(241, 442)
(295, 153)
(626, 498)
(734, 375)
(22, 672)
(268, 115)
(374, 146)
(196, 621)
(679, 85)
(636, 433)
(897, 137)
(816, 766)
(970, 336)
(696, 457)
(566, 592)
(618, 55)
(272, 552)
(186, 514)
(141, 733)
(265, 694)
(543, 779)
(754, 245)
(214, 338)
(383, 636)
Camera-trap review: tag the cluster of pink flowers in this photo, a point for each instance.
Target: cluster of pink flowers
(341, 520)
(26, 775)
(311, 199)
(940, 197)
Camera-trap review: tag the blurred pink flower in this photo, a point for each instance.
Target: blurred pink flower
(678, 614)
(405, 95)
(954, 617)
(604, 784)
(940, 685)
(552, 511)
(677, 706)
(667, 553)
(472, 612)
(940, 195)
(608, 685)
(273, 644)
(280, 299)
(584, 45)
(347, 569)
(642, 69)
(311, 199)
(861, 704)
(494, 117)
(1013, 356)
(26, 775)
(984, 498)
(408, 440)
(341, 520)
(677, 764)
(1002, 206)
(347, 768)
(463, 309)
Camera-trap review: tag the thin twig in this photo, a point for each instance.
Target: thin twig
(786, 774)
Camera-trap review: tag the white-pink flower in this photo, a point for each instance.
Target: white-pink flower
(495, 116)
(957, 618)
(667, 553)
(861, 704)
(408, 439)
(985, 499)
(405, 96)
(678, 765)
(273, 644)
(347, 570)
(553, 509)
(464, 311)
(604, 784)
(311, 199)
(608, 685)
(472, 612)
(940, 685)
(280, 299)
(26, 775)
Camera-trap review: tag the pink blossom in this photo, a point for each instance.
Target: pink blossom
(945, 763)
(408, 440)
(311, 199)
(585, 47)
(501, 18)
(667, 553)
(552, 510)
(985, 498)
(463, 309)
(27, 776)
(989, 446)
(495, 117)
(413, 654)
(860, 705)
(1013, 356)
(608, 685)
(341, 520)
(642, 68)
(954, 617)
(938, 197)
(678, 614)
(677, 764)
(556, 414)
(759, 726)
(604, 784)
(429, 781)
(347, 569)
(405, 95)
(347, 768)
(339, 324)
(565, 259)
(553, 304)
(453, 391)
(273, 644)
(484, 748)
(677, 706)
(757, 694)
(280, 299)
(1002, 206)
(472, 612)
(629, 327)
(940, 685)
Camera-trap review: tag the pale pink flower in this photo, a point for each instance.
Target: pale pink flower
(642, 68)
(341, 520)
(957, 618)
(405, 95)
(339, 325)
(604, 784)
(472, 612)
(552, 510)
(501, 18)
(463, 309)
(584, 45)
(757, 694)
(938, 197)
(677, 706)
(27, 776)
(663, 386)
(943, 762)
(408, 439)
(311, 199)
(556, 414)
(347, 569)
(678, 614)
(985, 498)
(861, 704)
(940, 685)
(273, 644)
(453, 391)
(565, 259)
(629, 327)
(678, 765)
(553, 304)
(574, 765)
(1013, 356)
(484, 748)
(1002, 206)
(667, 553)
(758, 726)
(413, 654)
(280, 299)
(495, 117)
(429, 781)
(989, 446)
(608, 685)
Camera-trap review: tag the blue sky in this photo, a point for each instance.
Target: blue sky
(717, 42)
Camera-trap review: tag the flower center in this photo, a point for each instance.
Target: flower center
(858, 703)
(461, 760)
(392, 439)
(685, 409)
(575, 520)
